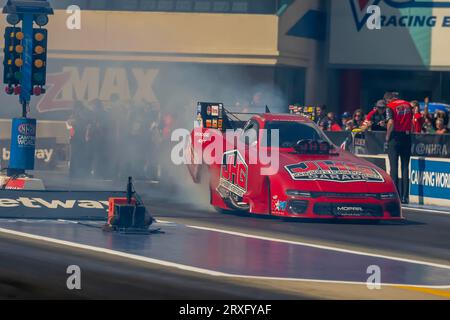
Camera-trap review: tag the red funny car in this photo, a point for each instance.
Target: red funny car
(284, 165)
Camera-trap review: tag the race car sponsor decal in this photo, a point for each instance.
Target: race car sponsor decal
(349, 210)
(234, 173)
(215, 111)
(15, 184)
(336, 171)
(278, 205)
(202, 137)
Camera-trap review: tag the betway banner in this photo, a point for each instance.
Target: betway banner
(413, 33)
(56, 204)
(48, 154)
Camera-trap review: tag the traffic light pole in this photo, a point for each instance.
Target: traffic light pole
(23, 130)
(27, 68)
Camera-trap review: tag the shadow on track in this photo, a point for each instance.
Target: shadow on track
(336, 221)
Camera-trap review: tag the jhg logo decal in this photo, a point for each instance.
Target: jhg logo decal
(234, 173)
(336, 171)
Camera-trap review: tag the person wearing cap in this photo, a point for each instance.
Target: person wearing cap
(344, 118)
(398, 139)
(376, 119)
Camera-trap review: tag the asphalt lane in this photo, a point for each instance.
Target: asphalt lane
(423, 236)
(36, 270)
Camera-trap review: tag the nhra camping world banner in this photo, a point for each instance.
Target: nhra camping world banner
(30, 204)
(431, 145)
(430, 181)
(372, 142)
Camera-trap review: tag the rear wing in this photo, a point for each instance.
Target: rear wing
(214, 115)
(310, 112)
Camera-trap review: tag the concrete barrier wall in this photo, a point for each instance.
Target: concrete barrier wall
(429, 181)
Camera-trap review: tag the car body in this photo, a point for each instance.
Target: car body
(307, 183)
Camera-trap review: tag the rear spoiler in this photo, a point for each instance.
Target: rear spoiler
(214, 115)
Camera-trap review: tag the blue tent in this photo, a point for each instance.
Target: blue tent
(433, 106)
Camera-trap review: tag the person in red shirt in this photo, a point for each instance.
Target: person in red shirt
(418, 118)
(376, 119)
(398, 139)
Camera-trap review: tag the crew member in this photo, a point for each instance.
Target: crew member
(398, 139)
(376, 119)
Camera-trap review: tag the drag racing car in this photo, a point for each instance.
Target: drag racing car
(283, 165)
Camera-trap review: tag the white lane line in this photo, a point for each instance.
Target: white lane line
(312, 245)
(426, 210)
(109, 251)
(190, 268)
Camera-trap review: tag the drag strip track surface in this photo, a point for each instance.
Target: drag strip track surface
(423, 236)
(36, 267)
(225, 254)
(31, 269)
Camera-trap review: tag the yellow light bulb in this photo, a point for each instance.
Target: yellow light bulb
(19, 48)
(19, 35)
(38, 63)
(18, 62)
(39, 36)
(39, 49)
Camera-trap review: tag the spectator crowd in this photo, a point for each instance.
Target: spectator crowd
(117, 140)
(423, 120)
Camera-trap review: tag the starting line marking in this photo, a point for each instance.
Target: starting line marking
(200, 270)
